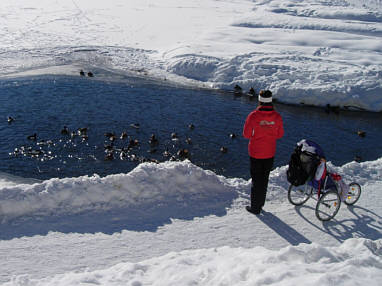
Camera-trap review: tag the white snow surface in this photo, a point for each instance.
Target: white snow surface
(174, 223)
(307, 52)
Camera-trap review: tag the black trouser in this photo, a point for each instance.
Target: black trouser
(260, 169)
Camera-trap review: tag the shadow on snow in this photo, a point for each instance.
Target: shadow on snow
(143, 218)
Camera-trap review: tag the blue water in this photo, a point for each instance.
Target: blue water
(45, 104)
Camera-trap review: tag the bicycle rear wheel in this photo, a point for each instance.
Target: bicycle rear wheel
(353, 194)
(299, 195)
(328, 205)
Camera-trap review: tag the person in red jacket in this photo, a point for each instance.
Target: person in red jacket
(262, 127)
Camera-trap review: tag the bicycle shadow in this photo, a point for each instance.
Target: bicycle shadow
(282, 228)
(363, 223)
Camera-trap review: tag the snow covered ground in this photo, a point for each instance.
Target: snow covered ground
(311, 52)
(174, 223)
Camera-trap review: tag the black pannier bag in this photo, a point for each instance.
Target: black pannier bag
(302, 166)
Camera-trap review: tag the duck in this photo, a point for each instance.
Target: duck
(43, 142)
(224, 149)
(166, 153)
(32, 137)
(82, 73)
(183, 153)
(152, 160)
(189, 140)
(82, 131)
(123, 135)
(110, 135)
(252, 92)
(135, 125)
(233, 135)
(153, 140)
(191, 126)
(133, 157)
(237, 90)
(10, 119)
(123, 155)
(174, 136)
(109, 156)
(90, 74)
(357, 158)
(133, 143)
(65, 130)
(361, 133)
(35, 153)
(108, 147)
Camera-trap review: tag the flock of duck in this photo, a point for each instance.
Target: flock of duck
(90, 74)
(123, 146)
(238, 91)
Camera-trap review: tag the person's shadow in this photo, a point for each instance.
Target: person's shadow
(282, 228)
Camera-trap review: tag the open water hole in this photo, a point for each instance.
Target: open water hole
(45, 104)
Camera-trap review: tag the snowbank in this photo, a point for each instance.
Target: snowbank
(177, 189)
(355, 262)
(149, 190)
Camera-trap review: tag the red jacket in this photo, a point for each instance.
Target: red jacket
(263, 127)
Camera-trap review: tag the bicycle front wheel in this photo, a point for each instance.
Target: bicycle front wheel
(353, 194)
(328, 205)
(299, 195)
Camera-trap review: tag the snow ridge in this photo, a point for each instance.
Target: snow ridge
(178, 189)
(168, 187)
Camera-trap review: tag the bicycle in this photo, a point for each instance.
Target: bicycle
(328, 198)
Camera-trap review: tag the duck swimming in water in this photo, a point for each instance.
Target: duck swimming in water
(153, 140)
(110, 135)
(361, 133)
(166, 153)
(82, 131)
(32, 137)
(223, 149)
(183, 154)
(238, 90)
(10, 119)
(123, 154)
(109, 156)
(65, 131)
(108, 147)
(133, 143)
(135, 125)
(123, 135)
(174, 136)
(251, 93)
